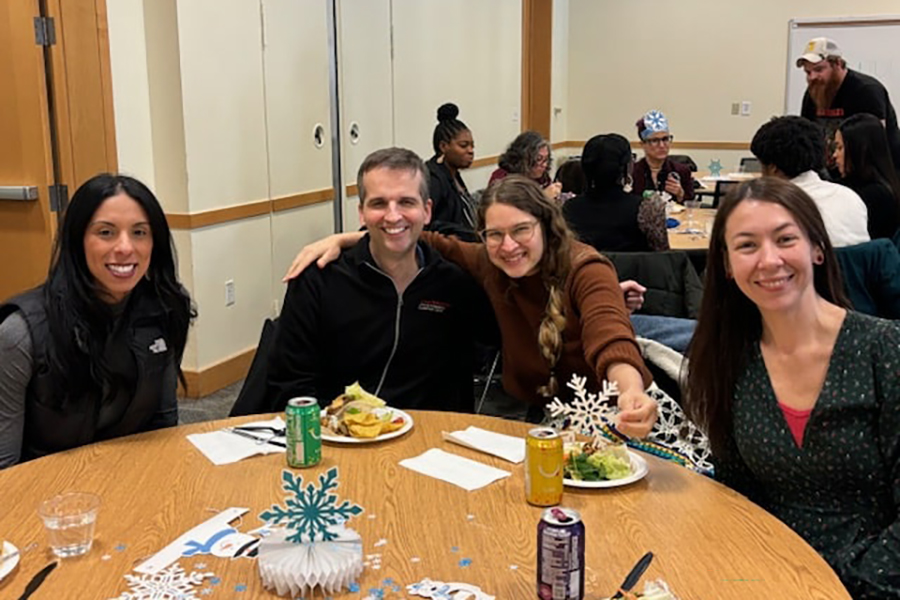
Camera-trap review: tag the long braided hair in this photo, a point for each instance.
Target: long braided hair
(524, 194)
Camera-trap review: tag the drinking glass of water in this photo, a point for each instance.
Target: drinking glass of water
(691, 207)
(69, 520)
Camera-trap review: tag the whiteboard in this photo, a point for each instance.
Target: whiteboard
(869, 45)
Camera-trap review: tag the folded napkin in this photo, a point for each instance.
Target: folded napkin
(222, 447)
(467, 474)
(507, 447)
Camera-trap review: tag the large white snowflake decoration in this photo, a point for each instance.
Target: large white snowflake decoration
(310, 512)
(587, 412)
(171, 583)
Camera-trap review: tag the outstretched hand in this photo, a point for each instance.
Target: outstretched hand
(321, 252)
(637, 413)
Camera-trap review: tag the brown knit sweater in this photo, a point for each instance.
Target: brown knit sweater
(598, 331)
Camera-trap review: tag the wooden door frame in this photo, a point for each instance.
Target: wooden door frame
(537, 58)
(81, 76)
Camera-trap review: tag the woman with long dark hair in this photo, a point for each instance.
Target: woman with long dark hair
(800, 396)
(95, 351)
(862, 156)
(454, 150)
(558, 304)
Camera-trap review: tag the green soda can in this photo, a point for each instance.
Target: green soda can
(303, 432)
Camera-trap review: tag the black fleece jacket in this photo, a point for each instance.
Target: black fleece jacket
(346, 323)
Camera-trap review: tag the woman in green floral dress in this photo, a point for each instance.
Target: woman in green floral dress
(800, 396)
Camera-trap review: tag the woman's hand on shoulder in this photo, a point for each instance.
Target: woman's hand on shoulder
(637, 413)
(321, 252)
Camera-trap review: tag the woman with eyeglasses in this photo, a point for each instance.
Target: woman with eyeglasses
(656, 171)
(558, 303)
(529, 155)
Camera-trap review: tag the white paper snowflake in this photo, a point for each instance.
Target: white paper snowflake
(587, 412)
(310, 512)
(169, 584)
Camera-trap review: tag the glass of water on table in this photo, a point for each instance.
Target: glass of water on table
(69, 520)
(691, 207)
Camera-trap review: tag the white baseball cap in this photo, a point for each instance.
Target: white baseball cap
(818, 49)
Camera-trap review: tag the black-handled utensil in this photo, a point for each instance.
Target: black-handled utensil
(257, 439)
(635, 575)
(37, 580)
(276, 431)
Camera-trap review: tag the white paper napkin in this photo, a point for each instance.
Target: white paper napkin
(507, 447)
(222, 447)
(467, 474)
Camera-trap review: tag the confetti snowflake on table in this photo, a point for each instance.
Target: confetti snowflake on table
(715, 168)
(312, 511)
(438, 590)
(587, 413)
(169, 584)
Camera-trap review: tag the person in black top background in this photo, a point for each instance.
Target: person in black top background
(605, 215)
(834, 93)
(861, 155)
(453, 211)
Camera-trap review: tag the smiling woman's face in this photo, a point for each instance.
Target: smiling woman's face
(514, 240)
(118, 244)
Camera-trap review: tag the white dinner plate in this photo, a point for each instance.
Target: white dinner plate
(6, 566)
(345, 439)
(639, 468)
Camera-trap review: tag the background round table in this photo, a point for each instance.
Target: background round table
(710, 542)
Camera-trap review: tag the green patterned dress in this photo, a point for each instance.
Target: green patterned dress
(841, 490)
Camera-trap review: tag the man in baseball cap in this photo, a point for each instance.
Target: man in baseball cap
(834, 92)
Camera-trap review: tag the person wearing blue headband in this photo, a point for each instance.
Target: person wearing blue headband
(656, 171)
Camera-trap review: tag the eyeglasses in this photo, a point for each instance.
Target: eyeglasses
(521, 233)
(666, 139)
(541, 160)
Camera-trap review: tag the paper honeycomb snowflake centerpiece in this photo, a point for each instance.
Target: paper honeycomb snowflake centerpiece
(587, 413)
(170, 583)
(311, 512)
(309, 548)
(715, 168)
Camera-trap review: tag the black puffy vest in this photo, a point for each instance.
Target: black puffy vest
(55, 424)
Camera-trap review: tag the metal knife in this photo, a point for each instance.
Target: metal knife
(257, 439)
(635, 575)
(37, 580)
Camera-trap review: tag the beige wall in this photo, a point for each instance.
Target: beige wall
(216, 102)
(691, 59)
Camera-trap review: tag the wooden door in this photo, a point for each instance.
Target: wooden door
(26, 228)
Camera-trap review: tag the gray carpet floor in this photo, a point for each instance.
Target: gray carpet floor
(208, 408)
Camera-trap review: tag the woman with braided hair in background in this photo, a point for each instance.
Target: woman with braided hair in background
(557, 301)
(453, 210)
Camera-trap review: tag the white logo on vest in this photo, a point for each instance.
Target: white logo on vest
(158, 346)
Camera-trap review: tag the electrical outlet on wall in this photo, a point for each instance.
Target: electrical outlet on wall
(229, 292)
(745, 108)
(735, 108)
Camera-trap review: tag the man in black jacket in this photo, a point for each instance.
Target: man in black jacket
(389, 313)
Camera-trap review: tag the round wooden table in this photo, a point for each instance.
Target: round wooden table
(710, 542)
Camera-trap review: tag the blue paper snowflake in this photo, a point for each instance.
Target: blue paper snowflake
(715, 168)
(310, 511)
(656, 121)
